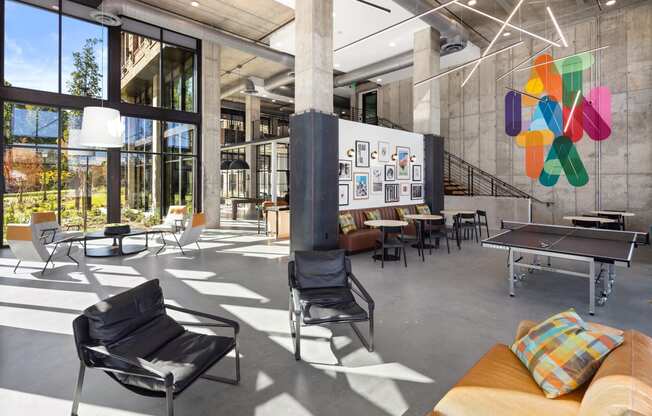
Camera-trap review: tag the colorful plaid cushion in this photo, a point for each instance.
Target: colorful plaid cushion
(347, 223)
(401, 212)
(563, 352)
(423, 209)
(372, 215)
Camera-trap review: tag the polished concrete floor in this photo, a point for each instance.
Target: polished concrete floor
(434, 320)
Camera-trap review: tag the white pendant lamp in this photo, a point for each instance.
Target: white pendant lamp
(75, 142)
(101, 127)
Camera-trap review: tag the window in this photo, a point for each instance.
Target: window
(32, 53)
(31, 47)
(179, 174)
(31, 124)
(140, 82)
(84, 58)
(178, 78)
(234, 182)
(263, 170)
(140, 188)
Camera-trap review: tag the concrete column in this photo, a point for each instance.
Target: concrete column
(252, 117)
(314, 56)
(274, 174)
(426, 105)
(211, 105)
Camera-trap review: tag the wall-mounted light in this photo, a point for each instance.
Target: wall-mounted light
(413, 158)
(394, 156)
(374, 154)
(350, 152)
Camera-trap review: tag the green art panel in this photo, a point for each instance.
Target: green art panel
(571, 80)
(563, 156)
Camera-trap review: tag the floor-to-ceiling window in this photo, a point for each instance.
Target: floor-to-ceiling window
(56, 62)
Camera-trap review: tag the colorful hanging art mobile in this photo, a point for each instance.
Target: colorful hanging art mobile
(563, 113)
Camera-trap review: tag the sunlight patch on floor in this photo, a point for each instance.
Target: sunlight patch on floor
(283, 404)
(36, 320)
(190, 274)
(67, 299)
(273, 321)
(106, 279)
(232, 290)
(110, 268)
(265, 251)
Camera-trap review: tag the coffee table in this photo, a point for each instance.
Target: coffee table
(117, 248)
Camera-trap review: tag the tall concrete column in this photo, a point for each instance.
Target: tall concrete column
(252, 117)
(314, 56)
(314, 132)
(211, 105)
(426, 104)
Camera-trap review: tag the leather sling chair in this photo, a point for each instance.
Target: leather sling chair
(131, 338)
(321, 292)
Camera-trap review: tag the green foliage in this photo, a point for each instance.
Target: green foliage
(86, 79)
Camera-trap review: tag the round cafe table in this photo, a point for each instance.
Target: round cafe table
(423, 220)
(383, 224)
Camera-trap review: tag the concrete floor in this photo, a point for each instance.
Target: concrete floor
(434, 320)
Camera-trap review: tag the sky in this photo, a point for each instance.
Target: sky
(31, 46)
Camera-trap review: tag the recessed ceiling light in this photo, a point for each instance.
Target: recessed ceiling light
(285, 87)
(336, 65)
(610, 2)
(194, 4)
(55, 7)
(241, 92)
(506, 34)
(273, 100)
(392, 44)
(472, 2)
(291, 101)
(379, 80)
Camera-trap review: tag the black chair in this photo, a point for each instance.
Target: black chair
(322, 286)
(131, 338)
(437, 229)
(586, 223)
(390, 238)
(469, 226)
(482, 221)
(619, 223)
(454, 230)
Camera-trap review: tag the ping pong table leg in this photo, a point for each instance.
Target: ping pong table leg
(511, 272)
(592, 287)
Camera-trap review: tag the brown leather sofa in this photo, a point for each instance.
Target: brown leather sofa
(364, 238)
(499, 384)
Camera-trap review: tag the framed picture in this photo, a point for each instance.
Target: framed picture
(390, 172)
(416, 173)
(360, 186)
(346, 168)
(376, 179)
(405, 189)
(402, 162)
(383, 151)
(392, 192)
(417, 191)
(344, 194)
(361, 154)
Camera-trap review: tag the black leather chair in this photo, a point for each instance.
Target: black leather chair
(322, 289)
(391, 238)
(131, 338)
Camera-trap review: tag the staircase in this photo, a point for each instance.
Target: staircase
(453, 188)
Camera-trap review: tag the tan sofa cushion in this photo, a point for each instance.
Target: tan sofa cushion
(499, 384)
(623, 384)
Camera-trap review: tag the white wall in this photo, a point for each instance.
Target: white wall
(350, 132)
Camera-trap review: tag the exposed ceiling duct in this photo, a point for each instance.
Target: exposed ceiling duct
(392, 64)
(271, 83)
(453, 35)
(174, 22)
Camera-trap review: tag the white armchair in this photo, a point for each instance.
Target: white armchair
(27, 245)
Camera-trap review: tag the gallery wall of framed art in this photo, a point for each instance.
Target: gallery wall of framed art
(379, 166)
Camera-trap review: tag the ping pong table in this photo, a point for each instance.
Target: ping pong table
(597, 248)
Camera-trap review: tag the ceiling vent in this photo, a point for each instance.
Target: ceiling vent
(105, 19)
(250, 88)
(452, 44)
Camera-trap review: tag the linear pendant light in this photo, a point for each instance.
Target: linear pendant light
(457, 68)
(486, 51)
(534, 35)
(395, 25)
(554, 22)
(565, 57)
(524, 93)
(524, 61)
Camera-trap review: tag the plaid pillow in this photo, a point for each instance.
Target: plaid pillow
(401, 212)
(563, 352)
(423, 209)
(347, 223)
(372, 215)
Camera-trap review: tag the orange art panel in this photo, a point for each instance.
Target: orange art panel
(548, 73)
(534, 159)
